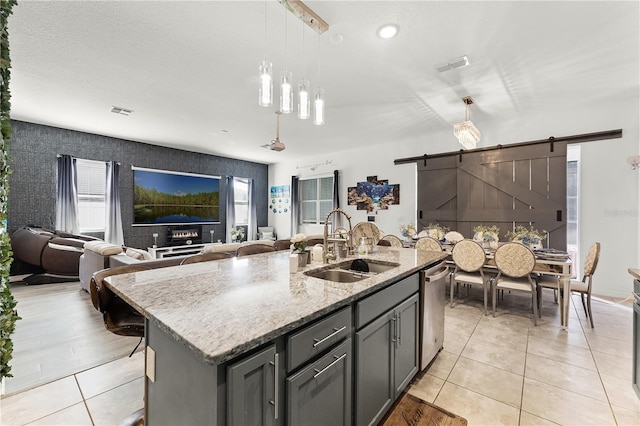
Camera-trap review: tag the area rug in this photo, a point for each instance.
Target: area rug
(410, 410)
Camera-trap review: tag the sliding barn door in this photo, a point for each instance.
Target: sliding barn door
(505, 187)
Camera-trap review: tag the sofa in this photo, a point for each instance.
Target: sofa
(99, 255)
(51, 256)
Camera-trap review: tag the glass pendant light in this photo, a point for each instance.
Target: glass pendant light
(318, 108)
(304, 102)
(286, 92)
(265, 91)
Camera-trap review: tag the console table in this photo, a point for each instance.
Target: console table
(170, 251)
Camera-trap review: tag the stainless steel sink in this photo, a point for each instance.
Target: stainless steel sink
(338, 275)
(375, 266)
(343, 273)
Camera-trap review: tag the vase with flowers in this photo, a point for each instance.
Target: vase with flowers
(237, 234)
(436, 231)
(408, 231)
(528, 236)
(299, 247)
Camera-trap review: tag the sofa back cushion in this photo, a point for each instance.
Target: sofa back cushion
(102, 248)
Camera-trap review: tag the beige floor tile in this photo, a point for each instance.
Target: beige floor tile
(565, 376)
(460, 325)
(36, 403)
(626, 417)
(513, 336)
(612, 365)
(487, 380)
(443, 364)
(498, 356)
(557, 334)
(514, 322)
(573, 355)
(564, 407)
(528, 419)
(76, 415)
(610, 331)
(469, 311)
(605, 318)
(427, 388)
(477, 409)
(620, 392)
(610, 346)
(113, 406)
(454, 342)
(108, 376)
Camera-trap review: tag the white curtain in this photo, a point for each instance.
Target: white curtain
(231, 208)
(253, 220)
(67, 195)
(113, 232)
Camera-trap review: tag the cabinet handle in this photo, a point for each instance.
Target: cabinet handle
(394, 339)
(399, 325)
(335, 331)
(337, 359)
(274, 401)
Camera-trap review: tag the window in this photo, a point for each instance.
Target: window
(241, 200)
(316, 200)
(92, 178)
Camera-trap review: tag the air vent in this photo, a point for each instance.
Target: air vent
(121, 111)
(460, 62)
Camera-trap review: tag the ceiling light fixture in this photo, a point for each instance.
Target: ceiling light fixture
(460, 62)
(388, 31)
(286, 91)
(265, 90)
(634, 161)
(465, 131)
(304, 103)
(318, 102)
(276, 145)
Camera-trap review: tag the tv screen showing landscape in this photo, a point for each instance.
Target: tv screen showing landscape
(171, 198)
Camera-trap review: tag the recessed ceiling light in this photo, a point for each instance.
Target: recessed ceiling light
(388, 31)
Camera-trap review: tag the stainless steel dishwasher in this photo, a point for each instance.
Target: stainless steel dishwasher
(432, 300)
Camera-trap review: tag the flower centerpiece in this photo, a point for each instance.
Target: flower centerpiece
(237, 234)
(527, 236)
(436, 231)
(486, 235)
(299, 243)
(408, 231)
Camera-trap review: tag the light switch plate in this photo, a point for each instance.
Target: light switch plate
(151, 363)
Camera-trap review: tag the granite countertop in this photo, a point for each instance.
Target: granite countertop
(223, 308)
(635, 273)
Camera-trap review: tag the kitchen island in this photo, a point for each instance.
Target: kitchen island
(219, 332)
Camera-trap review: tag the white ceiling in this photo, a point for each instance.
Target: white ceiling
(189, 70)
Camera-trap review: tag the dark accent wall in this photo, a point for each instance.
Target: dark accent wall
(33, 152)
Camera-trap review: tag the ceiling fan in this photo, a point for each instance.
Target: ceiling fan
(275, 144)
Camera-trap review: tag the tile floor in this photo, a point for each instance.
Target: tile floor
(505, 371)
(492, 371)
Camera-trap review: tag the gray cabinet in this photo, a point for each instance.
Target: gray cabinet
(320, 393)
(253, 389)
(386, 360)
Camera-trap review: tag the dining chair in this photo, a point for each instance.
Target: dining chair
(393, 240)
(282, 244)
(254, 249)
(118, 316)
(365, 229)
(428, 243)
(469, 258)
(385, 243)
(582, 287)
(515, 263)
(205, 257)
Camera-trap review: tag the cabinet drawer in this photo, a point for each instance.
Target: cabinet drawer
(311, 340)
(375, 305)
(320, 393)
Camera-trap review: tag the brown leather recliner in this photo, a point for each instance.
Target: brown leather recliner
(55, 253)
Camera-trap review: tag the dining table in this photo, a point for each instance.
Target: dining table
(556, 263)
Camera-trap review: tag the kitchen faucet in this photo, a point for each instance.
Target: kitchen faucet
(325, 254)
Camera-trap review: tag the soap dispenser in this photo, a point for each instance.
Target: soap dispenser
(363, 250)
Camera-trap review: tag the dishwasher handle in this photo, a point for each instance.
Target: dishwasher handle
(439, 273)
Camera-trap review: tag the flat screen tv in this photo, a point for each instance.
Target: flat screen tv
(162, 197)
